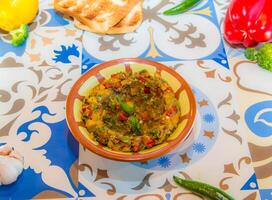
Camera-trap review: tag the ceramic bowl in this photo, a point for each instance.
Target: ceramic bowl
(104, 71)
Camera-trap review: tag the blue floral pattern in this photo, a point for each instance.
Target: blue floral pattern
(208, 118)
(164, 162)
(65, 52)
(199, 147)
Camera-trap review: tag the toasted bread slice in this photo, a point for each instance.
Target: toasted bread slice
(98, 15)
(128, 24)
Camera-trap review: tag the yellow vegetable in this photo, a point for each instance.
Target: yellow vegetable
(14, 13)
(91, 125)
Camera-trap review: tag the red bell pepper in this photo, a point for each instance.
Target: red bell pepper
(248, 22)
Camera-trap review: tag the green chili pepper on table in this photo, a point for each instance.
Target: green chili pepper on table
(182, 7)
(203, 189)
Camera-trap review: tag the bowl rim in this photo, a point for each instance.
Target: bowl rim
(97, 149)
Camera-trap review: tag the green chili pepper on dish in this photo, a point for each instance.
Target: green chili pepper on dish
(182, 7)
(136, 128)
(203, 189)
(128, 109)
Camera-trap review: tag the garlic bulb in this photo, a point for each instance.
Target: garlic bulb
(11, 165)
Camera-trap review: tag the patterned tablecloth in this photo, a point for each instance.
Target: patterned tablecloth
(231, 146)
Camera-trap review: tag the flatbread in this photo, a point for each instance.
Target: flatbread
(128, 24)
(98, 16)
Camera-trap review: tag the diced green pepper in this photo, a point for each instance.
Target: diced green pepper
(99, 97)
(101, 129)
(110, 120)
(95, 107)
(126, 139)
(155, 133)
(136, 128)
(128, 109)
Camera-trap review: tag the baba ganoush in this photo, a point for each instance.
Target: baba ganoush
(131, 112)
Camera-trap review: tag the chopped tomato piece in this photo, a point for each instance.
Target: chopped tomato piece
(87, 110)
(122, 116)
(144, 116)
(117, 106)
(171, 111)
(174, 108)
(108, 85)
(147, 90)
(158, 93)
(135, 147)
(150, 143)
(90, 113)
(141, 79)
(169, 90)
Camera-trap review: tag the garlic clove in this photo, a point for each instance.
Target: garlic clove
(11, 165)
(5, 150)
(8, 173)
